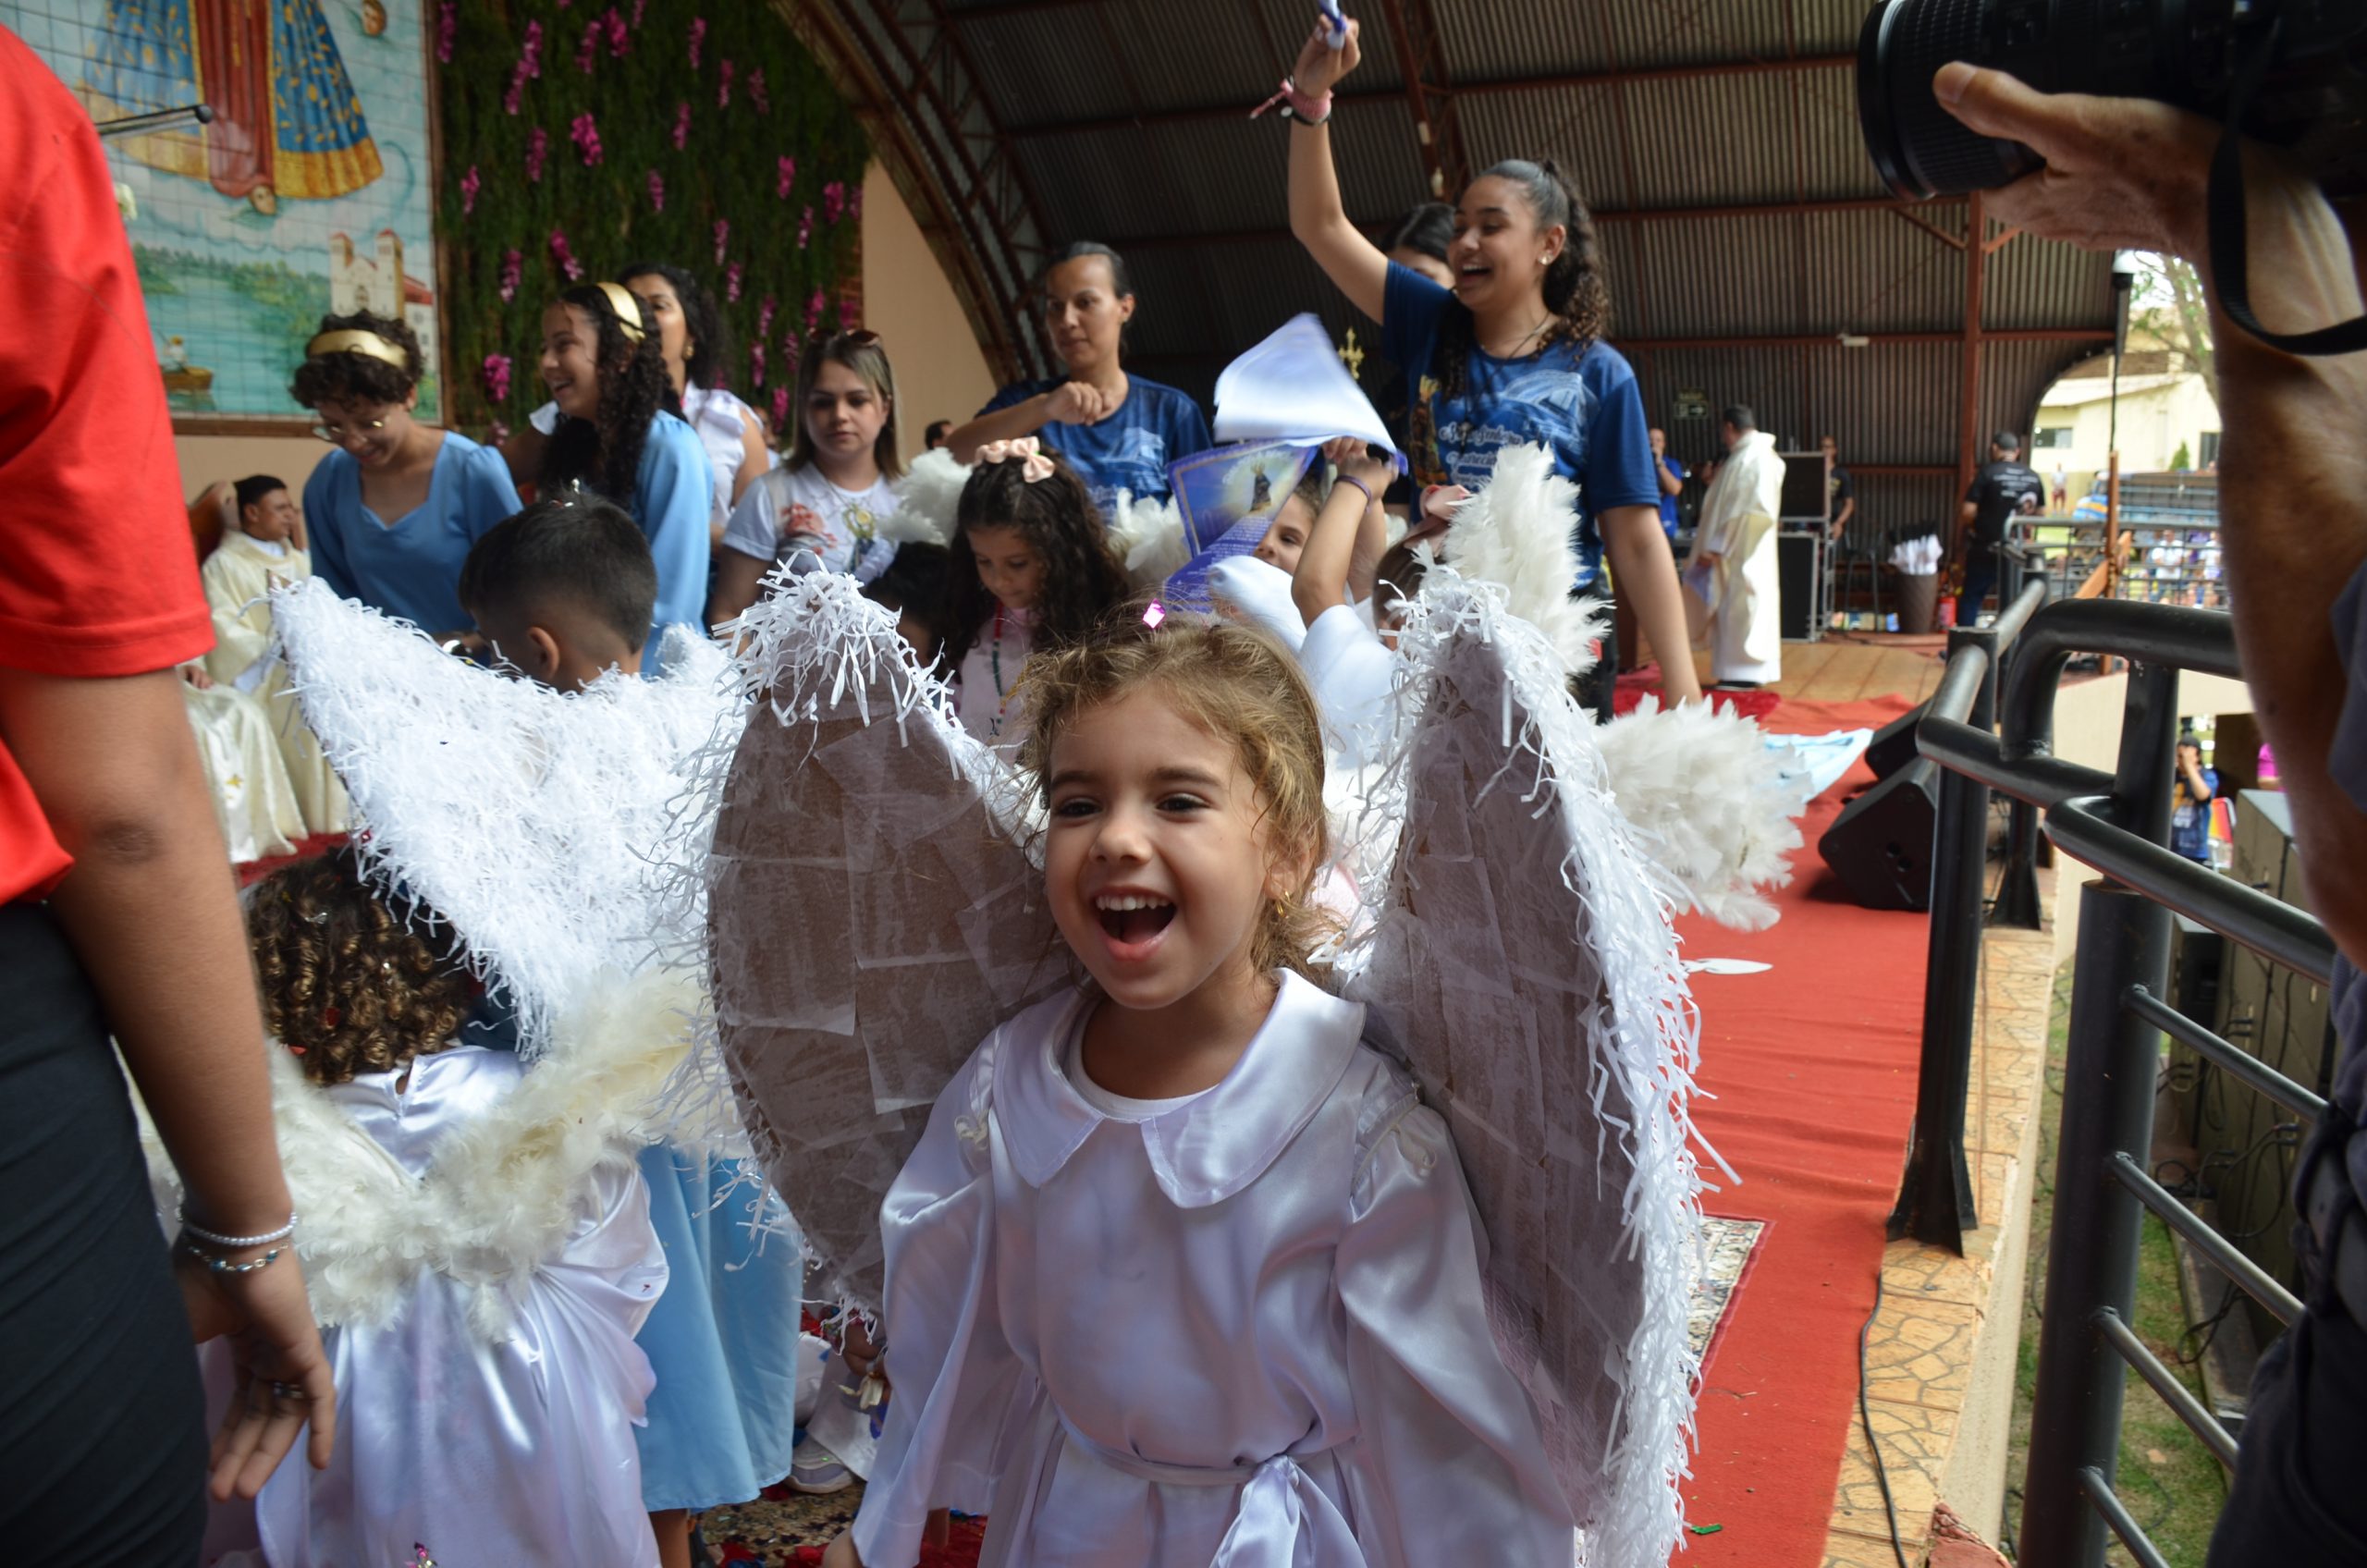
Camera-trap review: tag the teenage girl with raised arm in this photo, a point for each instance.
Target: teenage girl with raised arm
(1513, 353)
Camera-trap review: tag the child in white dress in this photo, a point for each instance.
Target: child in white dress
(1183, 1271)
(482, 1279)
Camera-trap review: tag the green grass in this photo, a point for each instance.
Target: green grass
(2168, 1478)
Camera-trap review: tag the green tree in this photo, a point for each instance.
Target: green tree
(2171, 307)
(2182, 460)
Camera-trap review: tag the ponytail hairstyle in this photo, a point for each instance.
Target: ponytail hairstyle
(1241, 688)
(862, 354)
(1576, 291)
(1082, 580)
(605, 452)
(347, 984)
(710, 336)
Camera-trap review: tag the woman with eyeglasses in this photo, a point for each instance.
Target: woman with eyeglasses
(835, 488)
(394, 509)
(1120, 431)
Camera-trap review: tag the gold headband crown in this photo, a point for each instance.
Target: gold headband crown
(354, 340)
(628, 309)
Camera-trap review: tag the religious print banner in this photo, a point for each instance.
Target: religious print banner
(309, 191)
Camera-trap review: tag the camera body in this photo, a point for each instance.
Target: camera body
(2314, 101)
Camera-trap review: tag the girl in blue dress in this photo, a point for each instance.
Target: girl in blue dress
(392, 511)
(606, 371)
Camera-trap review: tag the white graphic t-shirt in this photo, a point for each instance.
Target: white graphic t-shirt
(846, 521)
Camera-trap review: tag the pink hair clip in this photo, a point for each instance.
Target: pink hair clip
(1033, 464)
(1153, 614)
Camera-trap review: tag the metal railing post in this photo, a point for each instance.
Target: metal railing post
(2091, 1248)
(1936, 1201)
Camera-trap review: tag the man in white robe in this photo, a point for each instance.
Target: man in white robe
(1734, 556)
(256, 554)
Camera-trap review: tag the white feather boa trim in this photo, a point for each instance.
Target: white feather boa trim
(504, 1194)
(1515, 533)
(1707, 799)
(926, 500)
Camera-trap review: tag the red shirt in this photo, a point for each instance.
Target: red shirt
(98, 576)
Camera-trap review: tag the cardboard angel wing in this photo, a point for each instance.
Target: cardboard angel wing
(869, 912)
(1522, 964)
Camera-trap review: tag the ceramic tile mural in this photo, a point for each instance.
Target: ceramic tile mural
(311, 190)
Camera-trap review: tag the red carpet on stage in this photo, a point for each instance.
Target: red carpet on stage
(1813, 1066)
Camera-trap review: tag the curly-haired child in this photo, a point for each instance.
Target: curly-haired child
(482, 1280)
(1032, 572)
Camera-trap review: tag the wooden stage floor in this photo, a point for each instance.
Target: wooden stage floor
(1855, 666)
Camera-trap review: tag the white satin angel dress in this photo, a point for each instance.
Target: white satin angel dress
(1245, 1331)
(511, 1453)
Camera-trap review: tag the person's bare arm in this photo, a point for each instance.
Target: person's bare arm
(1646, 573)
(2132, 174)
(756, 459)
(1071, 402)
(151, 910)
(1319, 219)
(1669, 484)
(1848, 510)
(738, 580)
(1323, 577)
(1372, 543)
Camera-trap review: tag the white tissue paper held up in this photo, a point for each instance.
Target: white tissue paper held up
(1292, 387)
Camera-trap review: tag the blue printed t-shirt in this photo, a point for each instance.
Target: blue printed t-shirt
(1582, 406)
(1129, 450)
(2191, 818)
(408, 565)
(1668, 502)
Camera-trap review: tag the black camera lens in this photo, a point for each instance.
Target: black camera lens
(1919, 149)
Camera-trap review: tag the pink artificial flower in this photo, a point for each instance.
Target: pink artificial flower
(538, 148)
(788, 169)
(448, 29)
(765, 314)
(806, 229)
(756, 364)
(638, 7)
(756, 91)
(813, 313)
(589, 47)
(732, 284)
(566, 258)
(517, 91)
(723, 93)
(698, 36)
(497, 378)
(513, 266)
(780, 406)
(585, 134)
(617, 39)
(854, 201)
(834, 202)
(470, 185)
(722, 238)
(531, 56)
(656, 192)
(681, 126)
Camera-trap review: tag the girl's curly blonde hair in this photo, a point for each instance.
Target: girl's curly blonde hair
(1239, 686)
(347, 984)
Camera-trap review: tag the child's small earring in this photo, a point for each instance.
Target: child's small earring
(1281, 910)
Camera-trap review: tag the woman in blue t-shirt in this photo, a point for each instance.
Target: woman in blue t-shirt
(1512, 354)
(1119, 432)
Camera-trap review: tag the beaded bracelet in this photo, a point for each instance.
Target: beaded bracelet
(223, 1264)
(191, 1228)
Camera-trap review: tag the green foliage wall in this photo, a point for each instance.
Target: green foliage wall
(579, 137)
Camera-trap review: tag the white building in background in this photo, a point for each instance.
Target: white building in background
(2161, 409)
(380, 286)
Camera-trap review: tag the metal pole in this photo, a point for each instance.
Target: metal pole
(2091, 1251)
(1935, 1204)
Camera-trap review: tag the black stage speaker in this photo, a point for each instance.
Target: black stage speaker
(1807, 494)
(1881, 844)
(1799, 576)
(1892, 746)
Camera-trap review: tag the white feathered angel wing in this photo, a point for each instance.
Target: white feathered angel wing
(536, 822)
(870, 913)
(1524, 965)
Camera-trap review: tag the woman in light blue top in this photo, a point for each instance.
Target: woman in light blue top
(392, 511)
(605, 372)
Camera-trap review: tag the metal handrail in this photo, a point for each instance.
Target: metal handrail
(2118, 823)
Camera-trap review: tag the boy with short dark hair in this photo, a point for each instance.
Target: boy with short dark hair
(563, 592)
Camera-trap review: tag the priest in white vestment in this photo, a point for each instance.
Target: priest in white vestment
(256, 554)
(1734, 556)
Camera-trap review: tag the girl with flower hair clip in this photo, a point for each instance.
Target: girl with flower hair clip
(1032, 572)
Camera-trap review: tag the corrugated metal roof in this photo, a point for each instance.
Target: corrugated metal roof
(1753, 133)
